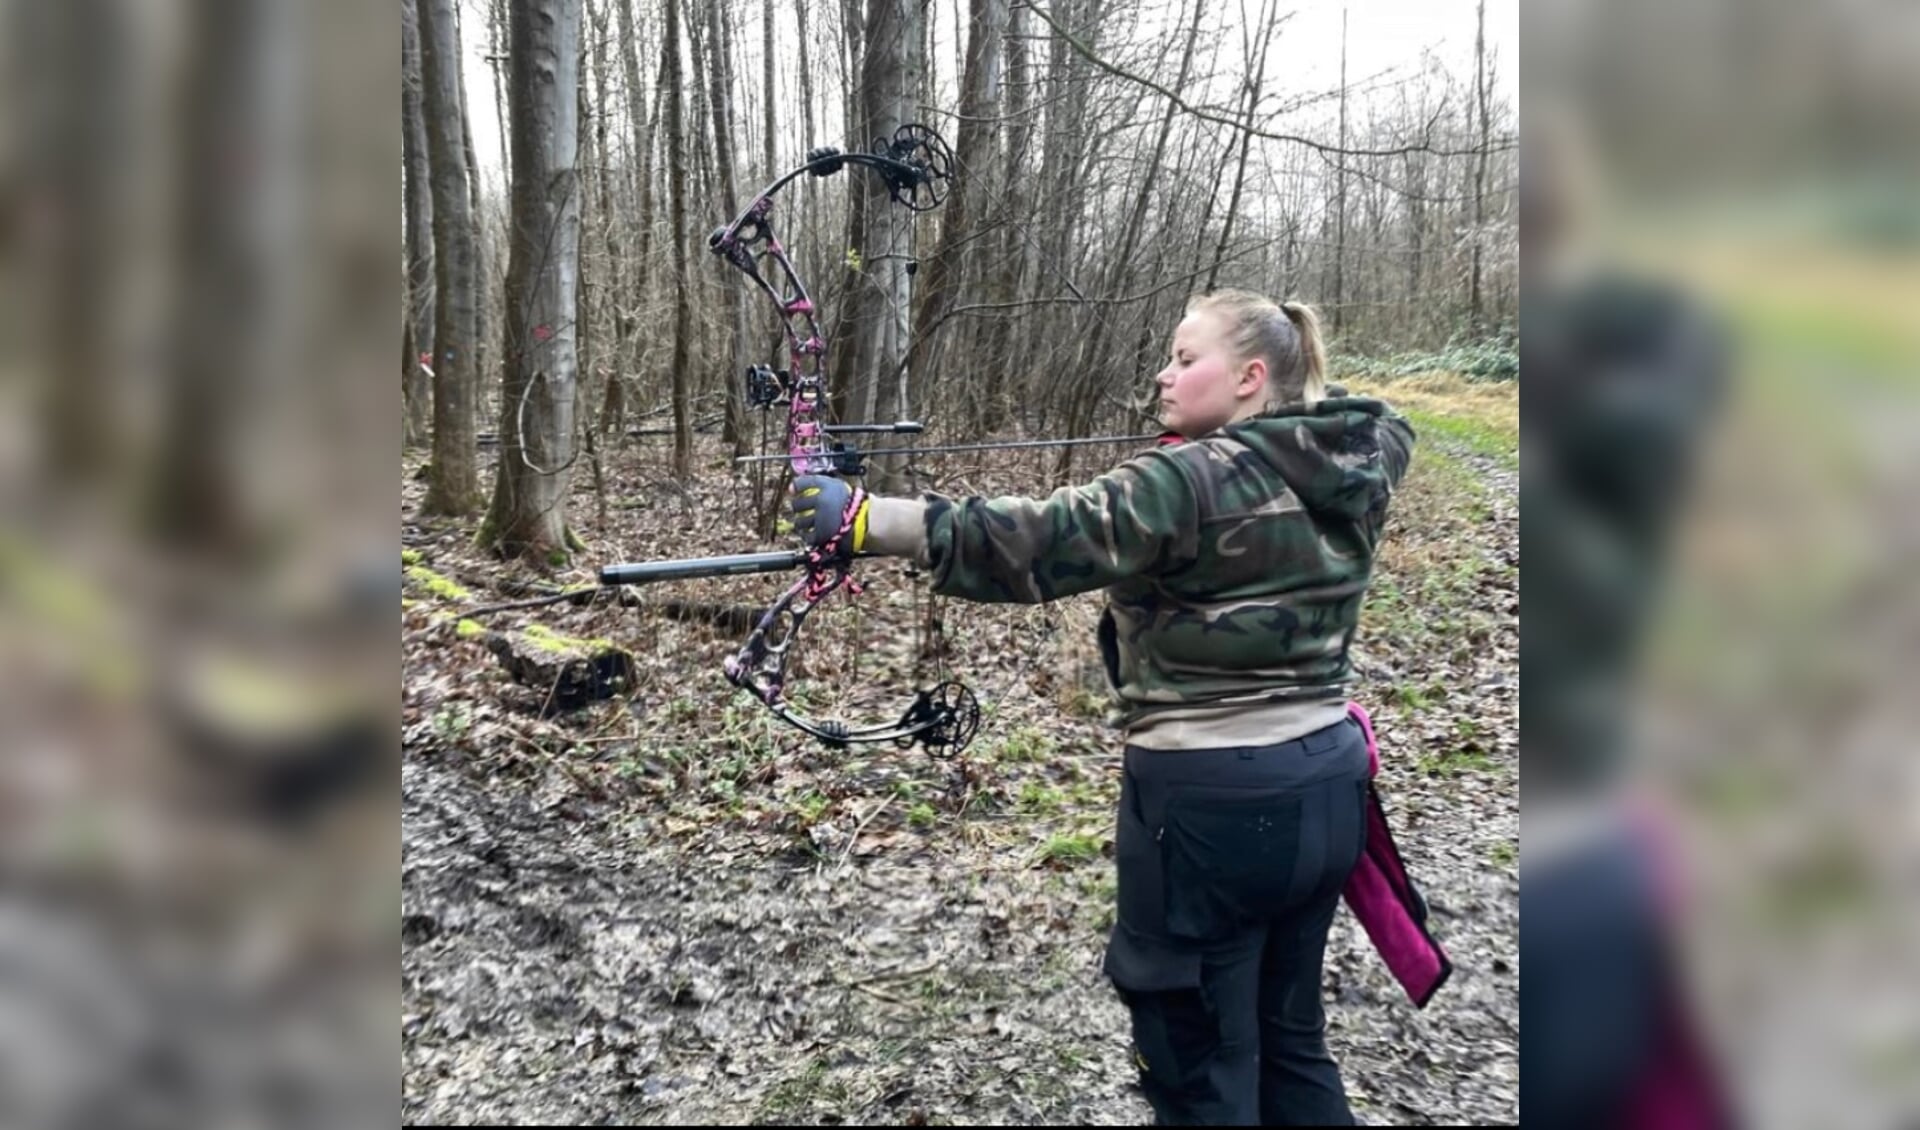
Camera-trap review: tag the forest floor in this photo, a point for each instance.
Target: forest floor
(668, 907)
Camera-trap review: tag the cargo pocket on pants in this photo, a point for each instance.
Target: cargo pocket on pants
(1231, 858)
(1176, 1031)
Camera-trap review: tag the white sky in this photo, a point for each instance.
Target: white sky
(1380, 34)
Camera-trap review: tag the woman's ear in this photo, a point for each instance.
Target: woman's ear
(1252, 378)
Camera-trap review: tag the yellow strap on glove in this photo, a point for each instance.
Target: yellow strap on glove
(860, 527)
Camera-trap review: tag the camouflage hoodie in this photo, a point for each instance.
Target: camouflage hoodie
(1235, 565)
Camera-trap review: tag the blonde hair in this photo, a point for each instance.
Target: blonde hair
(1286, 335)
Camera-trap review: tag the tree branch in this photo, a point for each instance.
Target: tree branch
(1506, 143)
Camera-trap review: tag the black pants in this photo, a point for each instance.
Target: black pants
(1231, 864)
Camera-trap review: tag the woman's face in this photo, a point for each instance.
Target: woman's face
(1205, 386)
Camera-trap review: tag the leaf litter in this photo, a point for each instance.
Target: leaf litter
(668, 907)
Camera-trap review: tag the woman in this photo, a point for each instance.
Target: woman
(1235, 565)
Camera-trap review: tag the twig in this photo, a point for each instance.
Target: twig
(887, 975)
(855, 838)
(588, 591)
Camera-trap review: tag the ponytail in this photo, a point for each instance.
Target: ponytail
(1313, 351)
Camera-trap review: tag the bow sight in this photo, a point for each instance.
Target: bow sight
(767, 386)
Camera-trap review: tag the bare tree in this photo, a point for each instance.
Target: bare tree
(976, 169)
(720, 83)
(677, 233)
(1476, 318)
(453, 485)
(613, 413)
(419, 234)
(528, 515)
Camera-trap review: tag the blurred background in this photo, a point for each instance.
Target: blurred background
(1721, 816)
(199, 304)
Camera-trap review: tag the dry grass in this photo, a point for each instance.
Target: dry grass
(1492, 405)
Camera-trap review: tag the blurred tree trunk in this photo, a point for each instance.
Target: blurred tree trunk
(453, 486)
(234, 317)
(78, 141)
(528, 515)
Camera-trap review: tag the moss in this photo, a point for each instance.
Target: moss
(436, 584)
(470, 629)
(410, 557)
(557, 558)
(547, 639)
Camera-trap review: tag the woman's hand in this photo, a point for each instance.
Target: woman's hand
(820, 503)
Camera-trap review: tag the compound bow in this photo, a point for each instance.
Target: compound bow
(917, 168)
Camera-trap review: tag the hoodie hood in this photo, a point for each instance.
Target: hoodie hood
(1341, 456)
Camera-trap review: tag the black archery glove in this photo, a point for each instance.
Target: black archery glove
(819, 504)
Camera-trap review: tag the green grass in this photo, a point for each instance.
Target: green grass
(1036, 799)
(1025, 745)
(1482, 437)
(1070, 849)
(809, 807)
(810, 1085)
(1453, 763)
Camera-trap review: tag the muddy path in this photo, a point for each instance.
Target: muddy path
(605, 924)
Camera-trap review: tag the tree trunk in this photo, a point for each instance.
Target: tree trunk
(809, 206)
(453, 487)
(486, 250)
(412, 413)
(1011, 251)
(1340, 222)
(614, 402)
(677, 213)
(1475, 315)
(419, 194)
(1265, 34)
(945, 272)
(771, 159)
(886, 86)
(528, 516)
(735, 432)
(642, 283)
(419, 223)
